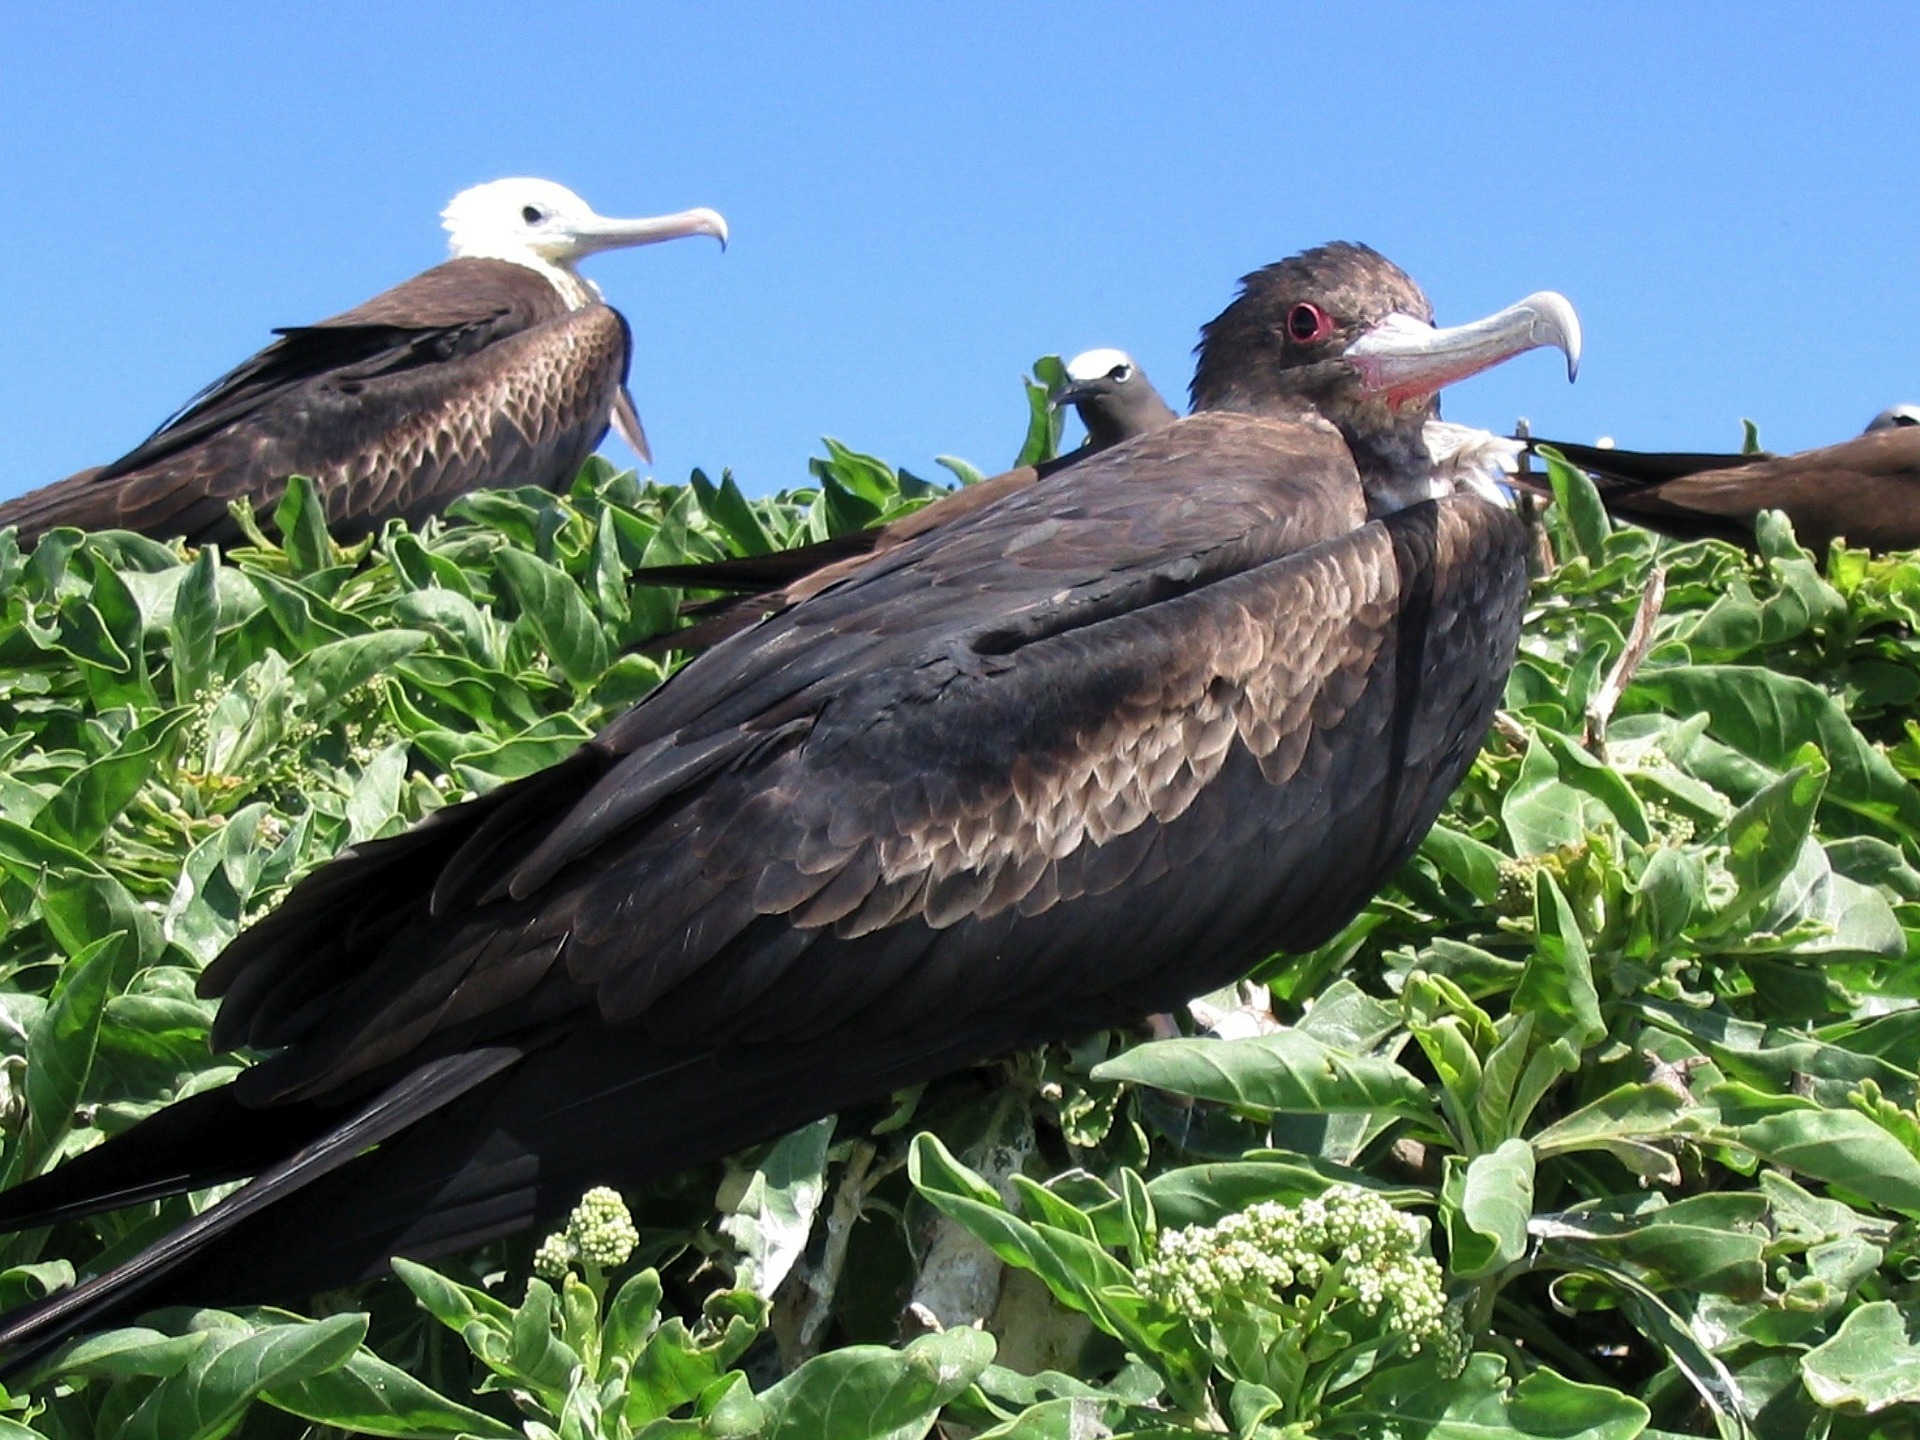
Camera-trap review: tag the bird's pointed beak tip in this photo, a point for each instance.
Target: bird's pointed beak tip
(1557, 323)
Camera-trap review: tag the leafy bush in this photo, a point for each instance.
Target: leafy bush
(1598, 1122)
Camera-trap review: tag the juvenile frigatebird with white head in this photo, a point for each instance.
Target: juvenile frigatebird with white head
(501, 366)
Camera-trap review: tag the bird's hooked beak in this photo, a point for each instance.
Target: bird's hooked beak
(1407, 359)
(599, 232)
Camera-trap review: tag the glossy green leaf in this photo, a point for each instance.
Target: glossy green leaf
(1868, 1364)
(867, 1392)
(1485, 1204)
(1285, 1071)
(773, 1218)
(553, 605)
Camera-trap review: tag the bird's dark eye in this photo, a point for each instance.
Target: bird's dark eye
(532, 214)
(1308, 324)
(1120, 374)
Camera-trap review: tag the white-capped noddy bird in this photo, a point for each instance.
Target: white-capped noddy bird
(1113, 397)
(1078, 756)
(501, 366)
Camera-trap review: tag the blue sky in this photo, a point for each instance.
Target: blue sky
(925, 198)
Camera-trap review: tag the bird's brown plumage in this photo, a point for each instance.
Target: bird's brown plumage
(473, 373)
(1865, 490)
(1069, 758)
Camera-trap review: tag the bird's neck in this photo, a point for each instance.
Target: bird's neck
(578, 291)
(573, 287)
(1396, 468)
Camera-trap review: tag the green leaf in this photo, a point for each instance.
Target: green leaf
(1867, 1364)
(561, 619)
(231, 1367)
(194, 625)
(1044, 423)
(89, 802)
(629, 1317)
(1670, 892)
(1841, 1147)
(728, 508)
(1416, 1403)
(368, 1396)
(326, 673)
(1712, 1243)
(1286, 1071)
(868, 1392)
(1766, 835)
(454, 1305)
(1542, 812)
(301, 519)
(676, 1364)
(1581, 516)
(1472, 863)
(1557, 986)
(1767, 716)
(1485, 1204)
(1204, 1194)
(772, 1219)
(1627, 1116)
(1081, 1275)
(60, 1050)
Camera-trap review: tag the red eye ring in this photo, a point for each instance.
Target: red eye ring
(1308, 324)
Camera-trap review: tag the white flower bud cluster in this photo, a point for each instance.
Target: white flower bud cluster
(599, 1232)
(1255, 1258)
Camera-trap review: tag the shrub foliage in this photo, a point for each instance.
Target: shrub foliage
(1599, 1121)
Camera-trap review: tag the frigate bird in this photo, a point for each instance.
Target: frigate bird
(1110, 393)
(1865, 490)
(500, 366)
(1084, 753)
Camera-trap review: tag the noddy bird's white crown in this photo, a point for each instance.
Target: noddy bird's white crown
(1099, 365)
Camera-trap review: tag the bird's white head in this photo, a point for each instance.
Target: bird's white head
(548, 228)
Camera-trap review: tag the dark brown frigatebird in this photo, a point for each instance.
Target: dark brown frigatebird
(1075, 757)
(1110, 393)
(1865, 490)
(501, 366)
